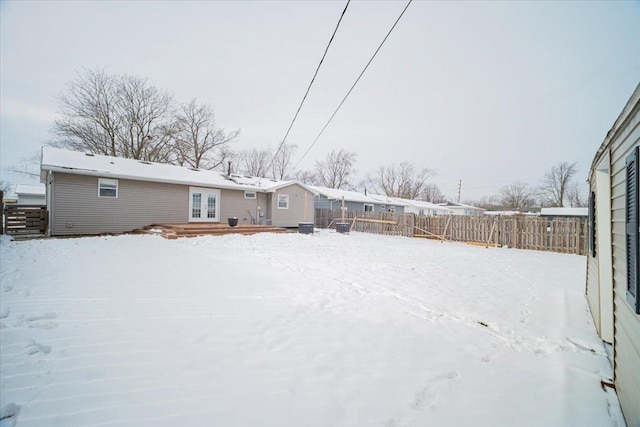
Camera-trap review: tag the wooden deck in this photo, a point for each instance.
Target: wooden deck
(173, 231)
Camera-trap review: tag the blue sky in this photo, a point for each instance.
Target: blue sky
(486, 92)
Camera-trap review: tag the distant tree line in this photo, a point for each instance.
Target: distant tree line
(557, 188)
(126, 116)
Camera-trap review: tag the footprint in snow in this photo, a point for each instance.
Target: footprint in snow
(9, 415)
(426, 397)
(37, 348)
(42, 322)
(5, 313)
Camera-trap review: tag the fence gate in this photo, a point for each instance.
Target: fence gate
(25, 219)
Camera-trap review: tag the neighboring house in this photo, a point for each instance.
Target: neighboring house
(419, 207)
(92, 194)
(564, 212)
(31, 194)
(462, 209)
(613, 262)
(331, 198)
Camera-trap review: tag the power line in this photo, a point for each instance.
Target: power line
(310, 84)
(353, 86)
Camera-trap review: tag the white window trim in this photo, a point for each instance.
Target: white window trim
(250, 195)
(364, 208)
(108, 181)
(284, 197)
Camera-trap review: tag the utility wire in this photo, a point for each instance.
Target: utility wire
(309, 88)
(354, 85)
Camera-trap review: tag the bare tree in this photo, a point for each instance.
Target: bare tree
(198, 143)
(555, 183)
(577, 198)
(517, 196)
(254, 161)
(336, 170)
(306, 177)
(433, 194)
(115, 115)
(5, 187)
(29, 166)
(281, 164)
(402, 181)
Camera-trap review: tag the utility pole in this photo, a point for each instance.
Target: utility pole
(459, 190)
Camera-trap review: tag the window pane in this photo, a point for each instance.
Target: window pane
(211, 207)
(107, 187)
(283, 201)
(107, 192)
(196, 205)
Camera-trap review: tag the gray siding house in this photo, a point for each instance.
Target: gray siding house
(93, 194)
(331, 198)
(613, 262)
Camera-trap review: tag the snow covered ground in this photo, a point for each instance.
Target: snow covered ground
(296, 330)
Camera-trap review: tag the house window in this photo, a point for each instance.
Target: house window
(283, 201)
(368, 207)
(250, 195)
(107, 187)
(632, 232)
(421, 212)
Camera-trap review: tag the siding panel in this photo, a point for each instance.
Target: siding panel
(233, 203)
(627, 323)
(295, 214)
(77, 209)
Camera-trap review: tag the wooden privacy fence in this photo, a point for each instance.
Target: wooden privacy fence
(25, 219)
(386, 223)
(566, 235)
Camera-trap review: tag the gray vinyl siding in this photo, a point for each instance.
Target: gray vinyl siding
(626, 322)
(233, 204)
(322, 202)
(77, 209)
(296, 212)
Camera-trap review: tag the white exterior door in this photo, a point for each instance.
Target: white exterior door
(204, 205)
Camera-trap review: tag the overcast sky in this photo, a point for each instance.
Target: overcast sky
(486, 92)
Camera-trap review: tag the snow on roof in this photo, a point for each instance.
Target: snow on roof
(454, 205)
(74, 162)
(31, 189)
(354, 196)
(564, 211)
(508, 213)
(420, 204)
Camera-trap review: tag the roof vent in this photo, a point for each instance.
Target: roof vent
(144, 162)
(195, 169)
(89, 154)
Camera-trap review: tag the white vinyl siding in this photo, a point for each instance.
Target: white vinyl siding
(627, 322)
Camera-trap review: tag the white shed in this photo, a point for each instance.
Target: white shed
(31, 194)
(613, 262)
